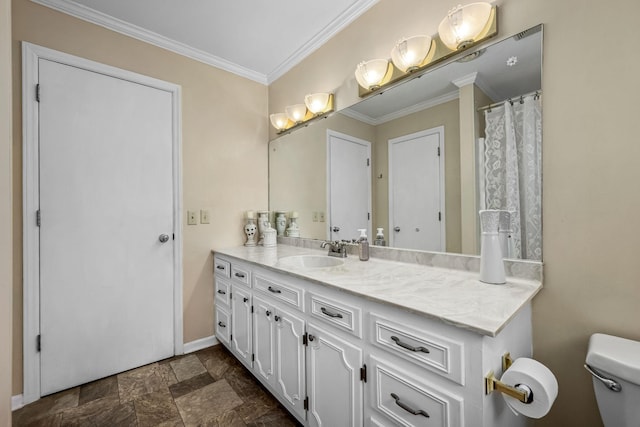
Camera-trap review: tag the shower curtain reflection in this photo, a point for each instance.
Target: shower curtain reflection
(511, 163)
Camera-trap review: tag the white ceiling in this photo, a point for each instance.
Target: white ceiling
(257, 39)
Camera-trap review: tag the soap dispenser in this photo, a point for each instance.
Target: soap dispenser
(363, 248)
(379, 238)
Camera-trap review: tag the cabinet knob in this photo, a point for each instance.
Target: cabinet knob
(222, 325)
(311, 337)
(276, 318)
(268, 313)
(245, 299)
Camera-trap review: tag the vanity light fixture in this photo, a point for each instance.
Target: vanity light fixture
(374, 73)
(409, 54)
(279, 121)
(465, 25)
(316, 106)
(317, 103)
(296, 113)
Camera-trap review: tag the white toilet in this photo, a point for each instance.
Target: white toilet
(614, 364)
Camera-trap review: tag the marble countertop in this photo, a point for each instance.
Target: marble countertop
(455, 297)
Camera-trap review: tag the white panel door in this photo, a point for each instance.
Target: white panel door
(349, 186)
(106, 195)
(335, 388)
(290, 359)
(416, 196)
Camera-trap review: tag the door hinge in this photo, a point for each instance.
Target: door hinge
(439, 216)
(38, 343)
(230, 295)
(252, 309)
(305, 404)
(38, 92)
(368, 162)
(305, 339)
(38, 218)
(174, 236)
(253, 357)
(438, 151)
(230, 337)
(363, 373)
(368, 216)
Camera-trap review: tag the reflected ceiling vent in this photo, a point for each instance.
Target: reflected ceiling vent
(472, 56)
(526, 33)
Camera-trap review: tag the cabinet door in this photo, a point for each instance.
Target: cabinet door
(264, 340)
(241, 324)
(290, 356)
(335, 388)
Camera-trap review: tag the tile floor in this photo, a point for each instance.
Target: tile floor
(207, 388)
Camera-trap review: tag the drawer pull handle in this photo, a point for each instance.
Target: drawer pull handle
(221, 292)
(240, 275)
(330, 314)
(268, 313)
(277, 318)
(408, 408)
(220, 267)
(222, 325)
(275, 291)
(409, 347)
(245, 299)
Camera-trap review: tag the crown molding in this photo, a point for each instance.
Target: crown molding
(430, 103)
(337, 25)
(95, 17)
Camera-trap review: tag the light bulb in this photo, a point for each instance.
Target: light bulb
(317, 102)
(296, 112)
(279, 120)
(463, 24)
(371, 74)
(408, 54)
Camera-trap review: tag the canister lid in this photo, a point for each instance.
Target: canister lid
(616, 356)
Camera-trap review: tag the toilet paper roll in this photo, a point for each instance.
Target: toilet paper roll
(539, 379)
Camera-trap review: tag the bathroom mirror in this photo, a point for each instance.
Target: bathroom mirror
(365, 166)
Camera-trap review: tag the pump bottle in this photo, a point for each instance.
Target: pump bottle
(363, 248)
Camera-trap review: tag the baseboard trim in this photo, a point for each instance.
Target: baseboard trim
(190, 347)
(17, 402)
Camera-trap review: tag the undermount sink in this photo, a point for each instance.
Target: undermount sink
(310, 261)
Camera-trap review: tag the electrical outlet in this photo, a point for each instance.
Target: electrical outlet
(321, 216)
(314, 216)
(192, 218)
(205, 216)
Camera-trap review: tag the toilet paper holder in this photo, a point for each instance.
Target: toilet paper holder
(520, 391)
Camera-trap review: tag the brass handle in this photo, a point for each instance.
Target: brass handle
(275, 291)
(329, 313)
(408, 408)
(222, 325)
(221, 292)
(409, 347)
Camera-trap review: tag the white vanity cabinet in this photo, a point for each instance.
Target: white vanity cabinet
(334, 358)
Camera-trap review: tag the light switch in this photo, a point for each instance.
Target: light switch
(314, 216)
(321, 216)
(192, 218)
(204, 216)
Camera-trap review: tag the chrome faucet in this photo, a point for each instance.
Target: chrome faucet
(337, 248)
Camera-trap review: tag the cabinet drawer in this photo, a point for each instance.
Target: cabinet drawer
(223, 325)
(223, 290)
(241, 274)
(408, 402)
(344, 316)
(410, 341)
(288, 294)
(221, 267)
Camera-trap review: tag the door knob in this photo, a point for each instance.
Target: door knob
(163, 238)
(396, 229)
(336, 229)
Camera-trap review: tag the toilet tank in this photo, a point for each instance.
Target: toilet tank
(617, 359)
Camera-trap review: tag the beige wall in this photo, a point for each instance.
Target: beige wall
(224, 149)
(446, 115)
(5, 213)
(590, 172)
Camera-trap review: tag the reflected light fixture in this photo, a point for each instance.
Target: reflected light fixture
(409, 53)
(296, 113)
(279, 121)
(317, 103)
(371, 74)
(464, 25)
